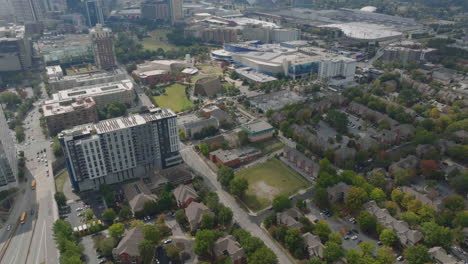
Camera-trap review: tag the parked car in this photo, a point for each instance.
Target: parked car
(399, 258)
(168, 241)
(354, 237)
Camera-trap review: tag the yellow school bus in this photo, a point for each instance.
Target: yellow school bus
(33, 184)
(23, 217)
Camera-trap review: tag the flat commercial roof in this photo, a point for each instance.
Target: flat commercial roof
(359, 30)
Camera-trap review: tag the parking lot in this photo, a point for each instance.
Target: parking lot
(76, 209)
(342, 226)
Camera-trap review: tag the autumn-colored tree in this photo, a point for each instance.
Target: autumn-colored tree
(428, 167)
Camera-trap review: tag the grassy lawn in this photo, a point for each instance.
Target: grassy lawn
(60, 180)
(268, 179)
(157, 40)
(174, 98)
(269, 146)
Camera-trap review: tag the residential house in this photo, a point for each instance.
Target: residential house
(300, 162)
(387, 137)
(184, 195)
(365, 112)
(338, 192)
(410, 162)
(440, 256)
(404, 131)
(407, 236)
(194, 213)
(313, 245)
(290, 218)
(434, 202)
(425, 150)
(228, 246)
(258, 130)
(180, 174)
(191, 128)
(127, 251)
(137, 193)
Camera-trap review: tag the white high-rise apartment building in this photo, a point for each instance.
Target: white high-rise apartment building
(8, 160)
(119, 149)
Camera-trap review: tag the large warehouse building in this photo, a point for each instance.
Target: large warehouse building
(295, 63)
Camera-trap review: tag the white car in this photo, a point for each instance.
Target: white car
(8, 227)
(354, 237)
(168, 241)
(79, 209)
(399, 258)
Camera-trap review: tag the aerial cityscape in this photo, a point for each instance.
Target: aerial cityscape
(233, 132)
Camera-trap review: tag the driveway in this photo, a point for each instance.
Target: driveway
(89, 251)
(239, 215)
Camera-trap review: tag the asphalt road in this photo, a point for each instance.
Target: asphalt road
(33, 242)
(239, 215)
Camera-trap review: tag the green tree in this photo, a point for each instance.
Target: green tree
(378, 195)
(60, 198)
(378, 180)
(207, 222)
(332, 252)
(293, 239)
(125, 213)
(388, 237)
(281, 203)
(225, 175)
(180, 217)
(356, 198)
(335, 238)
(454, 203)
(204, 149)
(146, 248)
(367, 248)
(238, 186)
(251, 244)
(385, 255)
(397, 196)
(411, 218)
(109, 215)
(301, 204)
(436, 235)
(204, 241)
(116, 230)
(88, 214)
(105, 245)
(367, 222)
(321, 197)
(417, 254)
(461, 219)
(224, 216)
(151, 233)
(262, 255)
(322, 230)
(460, 183)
